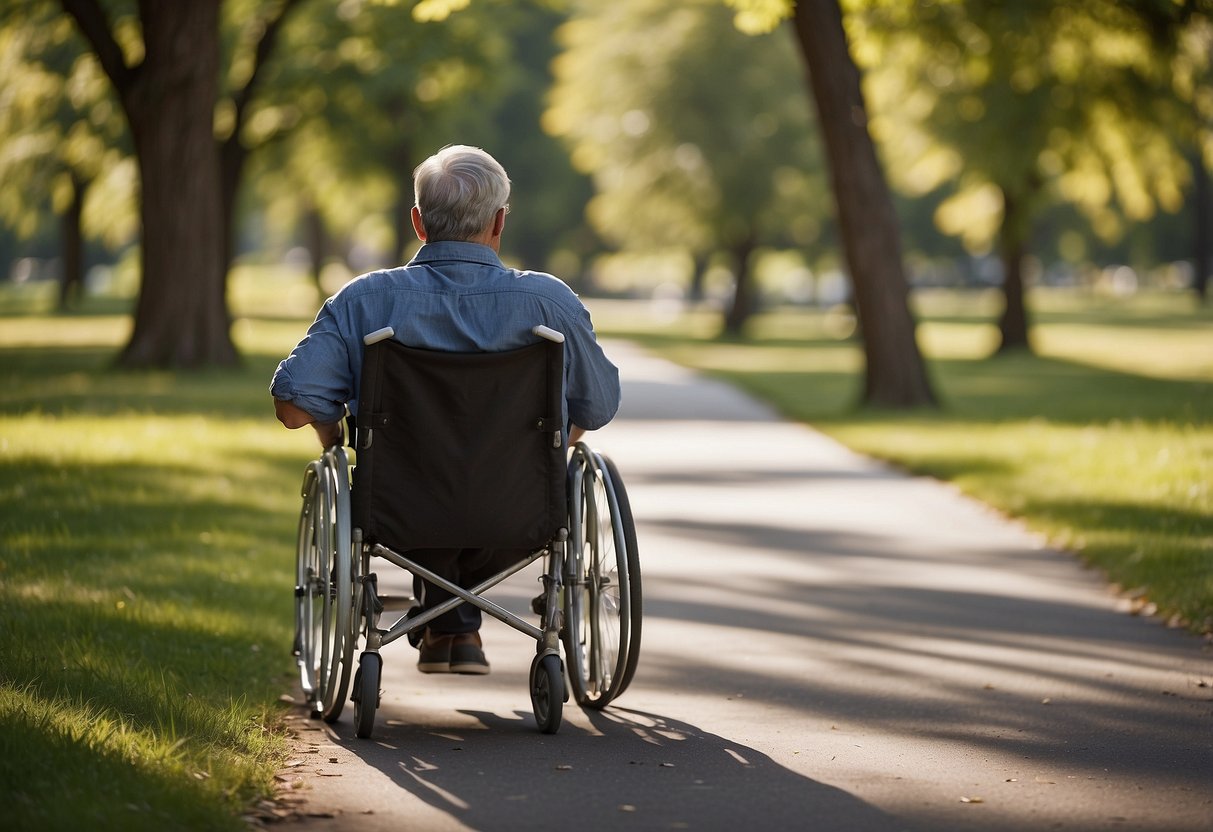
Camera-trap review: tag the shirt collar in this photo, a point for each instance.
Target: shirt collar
(454, 250)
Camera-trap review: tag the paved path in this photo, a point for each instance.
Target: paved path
(828, 645)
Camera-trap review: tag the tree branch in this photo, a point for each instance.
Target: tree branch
(94, 25)
(265, 48)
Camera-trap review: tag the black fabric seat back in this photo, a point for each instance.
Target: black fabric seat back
(460, 450)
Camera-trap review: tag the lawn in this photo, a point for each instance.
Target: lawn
(146, 560)
(1102, 441)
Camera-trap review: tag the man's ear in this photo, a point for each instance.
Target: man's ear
(498, 222)
(418, 225)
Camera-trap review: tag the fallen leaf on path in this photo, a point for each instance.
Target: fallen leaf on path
(564, 767)
(971, 800)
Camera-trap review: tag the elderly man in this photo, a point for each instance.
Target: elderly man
(455, 295)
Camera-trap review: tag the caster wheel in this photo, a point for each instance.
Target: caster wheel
(547, 692)
(366, 694)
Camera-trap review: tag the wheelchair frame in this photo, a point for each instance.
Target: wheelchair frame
(591, 601)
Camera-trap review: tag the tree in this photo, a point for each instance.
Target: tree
(165, 67)
(359, 96)
(167, 83)
(696, 139)
(64, 140)
(1022, 104)
(261, 38)
(895, 374)
(1186, 35)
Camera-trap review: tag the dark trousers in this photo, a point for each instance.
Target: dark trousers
(465, 568)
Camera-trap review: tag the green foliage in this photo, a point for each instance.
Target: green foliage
(759, 16)
(1102, 443)
(360, 93)
(696, 135)
(1031, 101)
(60, 128)
(146, 578)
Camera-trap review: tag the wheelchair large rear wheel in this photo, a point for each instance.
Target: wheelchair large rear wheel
(325, 615)
(602, 582)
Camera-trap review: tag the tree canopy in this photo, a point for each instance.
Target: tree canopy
(1016, 106)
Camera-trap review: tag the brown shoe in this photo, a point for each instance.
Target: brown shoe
(467, 655)
(435, 653)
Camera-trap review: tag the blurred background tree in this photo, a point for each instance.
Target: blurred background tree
(699, 138)
(361, 93)
(1016, 106)
(64, 145)
(364, 91)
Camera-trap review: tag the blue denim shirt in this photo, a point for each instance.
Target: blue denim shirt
(456, 297)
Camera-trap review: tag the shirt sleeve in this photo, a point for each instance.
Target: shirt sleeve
(316, 375)
(592, 385)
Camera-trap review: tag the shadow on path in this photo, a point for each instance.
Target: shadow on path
(629, 770)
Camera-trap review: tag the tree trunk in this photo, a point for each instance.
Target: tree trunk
(743, 289)
(699, 273)
(71, 285)
(1013, 324)
(1202, 245)
(181, 317)
(232, 156)
(895, 373)
(317, 243)
(169, 99)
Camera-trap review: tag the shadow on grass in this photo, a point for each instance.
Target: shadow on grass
(148, 608)
(1004, 389)
(83, 786)
(63, 380)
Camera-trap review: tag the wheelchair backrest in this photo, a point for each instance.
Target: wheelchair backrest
(460, 450)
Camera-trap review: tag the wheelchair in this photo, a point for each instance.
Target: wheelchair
(465, 450)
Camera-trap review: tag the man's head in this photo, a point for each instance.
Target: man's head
(462, 194)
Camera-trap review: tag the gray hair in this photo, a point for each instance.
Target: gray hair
(458, 190)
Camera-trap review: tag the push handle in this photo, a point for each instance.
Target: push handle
(378, 335)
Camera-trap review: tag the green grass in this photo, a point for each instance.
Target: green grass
(1102, 441)
(146, 560)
